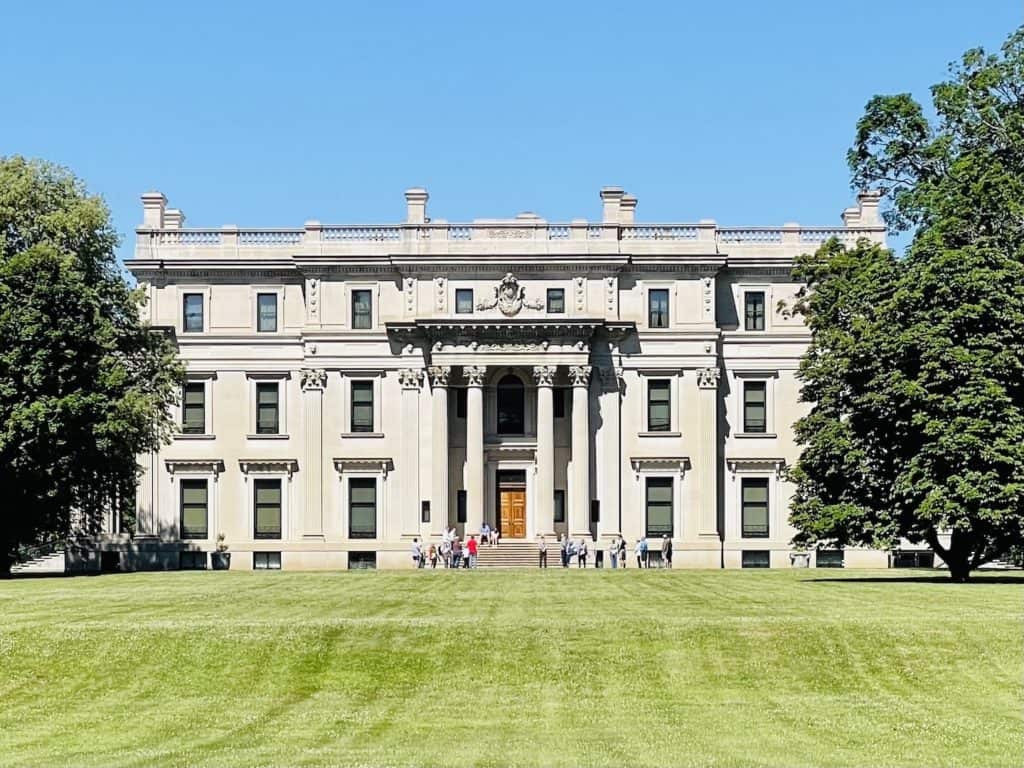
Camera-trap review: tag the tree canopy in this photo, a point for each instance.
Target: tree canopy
(915, 372)
(85, 387)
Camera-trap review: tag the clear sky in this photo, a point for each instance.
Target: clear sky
(268, 114)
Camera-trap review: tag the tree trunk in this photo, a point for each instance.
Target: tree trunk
(957, 556)
(6, 561)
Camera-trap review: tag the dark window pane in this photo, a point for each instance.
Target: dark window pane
(267, 417)
(755, 507)
(754, 407)
(362, 310)
(659, 406)
(362, 508)
(194, 506)
(559, 394)
(266, 312)
(266, 561)
(559, 511)
(267, 501)
(359, 561)
(511, 406)
(460, 506)
(193, 409)
(754, 311)
(659, 506)
(460, 403)
(464, 301)
(192, 321)
(830, 558)
(756, 558)
(362, 406)
(657, 299)
(424, 511)
(556, 300)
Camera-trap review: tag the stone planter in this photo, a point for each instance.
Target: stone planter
(220, 561)
(800, 559)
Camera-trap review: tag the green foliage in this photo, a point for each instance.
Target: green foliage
(84, 386)
(916, 368)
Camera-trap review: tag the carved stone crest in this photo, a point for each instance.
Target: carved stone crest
(410, 378)
(313, 378)
(707, 378)
(509, 298)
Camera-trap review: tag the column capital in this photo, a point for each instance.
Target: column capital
(475, 375)
(612, 377)
(411, 378)
(707, 378)
(313, 378)
(544, 375)
(580, 375)
(439, 375)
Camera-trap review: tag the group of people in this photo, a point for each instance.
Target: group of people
(452, 552)
(578, 549)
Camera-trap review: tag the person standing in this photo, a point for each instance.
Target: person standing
(471, 547)
(432, 556)
(417, 554)
(456, 556)
(485, 534)
(563, 546)
(623, 554)
(542, 553)
(613, 552)
(581, 553)
(638, 550)
(645, 552)
(666, 551)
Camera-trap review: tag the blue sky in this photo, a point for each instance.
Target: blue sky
(268, 114)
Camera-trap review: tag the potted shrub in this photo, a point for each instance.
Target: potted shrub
(221, 559)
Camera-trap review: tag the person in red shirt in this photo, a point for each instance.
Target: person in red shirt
(471, 546)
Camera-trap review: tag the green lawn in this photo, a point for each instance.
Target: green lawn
(720, 668)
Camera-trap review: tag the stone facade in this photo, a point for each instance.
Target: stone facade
(353, 387)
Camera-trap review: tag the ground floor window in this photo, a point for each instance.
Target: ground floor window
(659, 507)
(191, 560)
(194, 509)
(830, 558)
(267, 509)
(460, 506)
(266, 561)
(916, 559)
(755, 507)
(362, 508)
(757, 558)
(362, 561)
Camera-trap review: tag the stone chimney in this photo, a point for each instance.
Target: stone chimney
(611, 197)
(153, 206)
(173, 218)
(416, 205)
(868, 203)
(627, 210)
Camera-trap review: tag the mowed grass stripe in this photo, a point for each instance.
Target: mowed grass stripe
(498, 668)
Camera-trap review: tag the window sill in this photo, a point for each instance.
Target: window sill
(357, 435)
(275, 436)
(194, 436)
(755, 435)
(660, 434)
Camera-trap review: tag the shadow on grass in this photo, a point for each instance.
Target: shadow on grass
(977, 578)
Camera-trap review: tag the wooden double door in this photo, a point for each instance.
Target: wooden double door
(511, 512)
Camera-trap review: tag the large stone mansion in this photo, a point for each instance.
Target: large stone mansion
(351, 387)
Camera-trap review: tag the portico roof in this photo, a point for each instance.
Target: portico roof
(508, 329)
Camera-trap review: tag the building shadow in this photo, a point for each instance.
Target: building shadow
(982, 577)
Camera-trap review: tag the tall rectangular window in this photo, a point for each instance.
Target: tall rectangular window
(268, 416)
(556, 301)
(460, 506)
(194, 509)
(559, 510)
(266, 312)
(460, 403)
(192, 313)
(463, 301)
(362, 508)
(362, 406)
(267, 509)
(362, 309)
(193, 408)
(755, 411)
(755, 507)
(659, 507)
(659, 406)
(753, 311)
(559, 394)
(657, 308)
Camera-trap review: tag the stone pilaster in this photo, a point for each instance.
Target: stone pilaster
(611, 441)
(313, 381)
(706, 461)
(544, 517)
(474, 448)
(579, 507)
(439, 503)
(410, 379)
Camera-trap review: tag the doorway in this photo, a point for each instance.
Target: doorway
(511, 500)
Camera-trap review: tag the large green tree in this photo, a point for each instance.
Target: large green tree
(84, 385)
(916, 367)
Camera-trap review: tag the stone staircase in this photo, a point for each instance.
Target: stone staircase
(51, 564)
(514, 554)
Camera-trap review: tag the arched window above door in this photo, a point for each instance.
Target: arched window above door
(511, 406)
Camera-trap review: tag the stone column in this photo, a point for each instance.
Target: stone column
(314, 381)
(579, 509)
(474, 448)
(611, 441)
(706, 463)
(545, 486)
(409, 501)
(439, 505)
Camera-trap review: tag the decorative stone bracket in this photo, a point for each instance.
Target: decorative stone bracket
(382, 465)
(645, 464)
